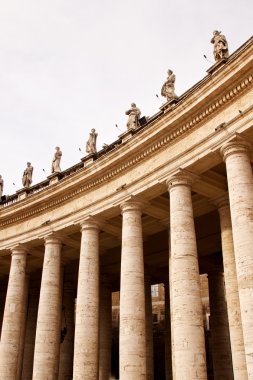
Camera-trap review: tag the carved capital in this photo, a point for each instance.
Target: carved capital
(53, 238)
(19, 249)
(222, 201)
(237, 145)
(181, 178)
(133, 203)
(90, 223)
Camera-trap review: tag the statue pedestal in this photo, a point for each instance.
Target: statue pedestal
(88, 160)
(54, 178)
(127, 135)
(169, 105)
(217, 66)
(22, 193)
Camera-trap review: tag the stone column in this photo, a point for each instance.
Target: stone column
(167, 332)
(149, 330)
(240, 187)
(13, 316)
(221, 352)
(47, 341)
(105, 328)
(67, 346)
(33, 303)
(231, 287)
(87, 305)
(23, 326)
(189, 358)
(132, 296)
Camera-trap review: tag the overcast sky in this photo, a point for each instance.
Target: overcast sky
(67, 66)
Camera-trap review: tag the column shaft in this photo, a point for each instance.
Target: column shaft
(47, 342)
(231, 287)
(23, 326)
(87, 307)
(221, 352)
(149, 330)
(13, 316)
(189, 357)
(132, 296)
(105, 324)
(240, 187)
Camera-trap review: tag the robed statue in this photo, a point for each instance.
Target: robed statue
(168, 88)
(56, 161)
(27, 175)
(134, 114)
(220, 46)
(91, 144)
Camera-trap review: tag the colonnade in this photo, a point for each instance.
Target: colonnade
(92, 335)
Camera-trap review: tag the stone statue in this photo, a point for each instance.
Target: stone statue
(133, 117)
(220, 46)
(27, 175)
(168, 88)
(56, 161)
(91, 145)
(1, 186)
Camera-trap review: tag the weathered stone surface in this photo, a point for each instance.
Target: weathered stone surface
(240, 188)
(13, 319)
(105, 328)
(232, 296)
(47, 342)
(87, 307)
(132, 296)
(189, 359)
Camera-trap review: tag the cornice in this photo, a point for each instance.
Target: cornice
(145, 153)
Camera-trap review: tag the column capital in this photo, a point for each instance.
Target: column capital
(181, 178)
(221, 201)
(19, 249)
(52, 238)
(237, 145)
(132, 205)
(90, 223)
